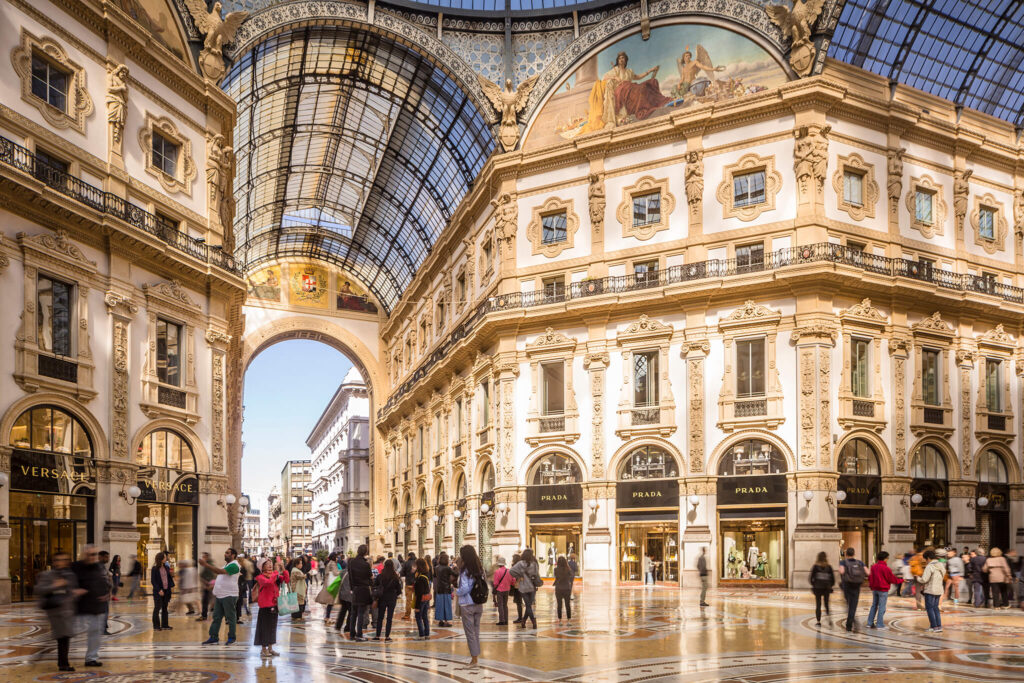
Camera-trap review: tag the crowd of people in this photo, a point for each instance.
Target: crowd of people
(363, 593)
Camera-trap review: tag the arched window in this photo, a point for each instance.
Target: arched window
(487, 479)
(928, 463)
(439, 494)
(648, 462)
(406, 505)
(992, 468)
(858, 457)
(752, 457)
(555, 468)
(165, 448)
(460, 487)
(52, 430)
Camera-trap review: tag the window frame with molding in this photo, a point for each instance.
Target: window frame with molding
(862, 322)
(924, 183)
(1000, 228)
(645, 335)
(185, 172)
(551, 347)
(932, 334)
(79, 104)
(854, 163)
(535, 229)
(644, 186)
(750, 321)
(55, 256)
(170, 302)
(745, 165)
(995, 345)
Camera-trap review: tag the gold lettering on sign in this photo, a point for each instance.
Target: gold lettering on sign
(50, 473)
(182, 487)
(752, 489)
(647, 494)
(555, 497)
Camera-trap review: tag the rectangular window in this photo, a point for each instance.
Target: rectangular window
(458, 420)
(485, 405)
(930, 378)
(49, 169)
(986, 223)
(165, 155)
(49, 83)
(645, 378)
(53, 319)
(553, 226)
(168, 352)
(750, 369)
(750, 257)
(419, 450)
(646, 209)
(859, 367)
(748, 189)
(853, 188)
(993, 381)
(645, 271)
(923, 206)
(553, 387)
(554, 288)
(166, 223)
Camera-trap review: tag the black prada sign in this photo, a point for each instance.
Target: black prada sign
(861, 490)
(554, 497)
(647, 493)
(758, 490)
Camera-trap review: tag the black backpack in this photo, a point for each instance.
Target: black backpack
(479, 592)
(855, 573)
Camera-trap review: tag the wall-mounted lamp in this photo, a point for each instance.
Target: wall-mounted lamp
(808, 496)
(503, 508)
(916, 499)
(484, 508)
(983, 501)
(840, 495)
(145, 520)
(458, 514)
(694, 500)
(130, 494)
(435, 519)
(244, 501)
(416, 522)
(401, 526)
(4, 479)
(593, 504)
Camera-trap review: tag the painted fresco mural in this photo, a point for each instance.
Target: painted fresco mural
(307, 286)
(266, 284)
(681, 65)
(352, 296)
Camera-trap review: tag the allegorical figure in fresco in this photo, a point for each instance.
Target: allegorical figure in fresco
(690, 67)
(617, 91)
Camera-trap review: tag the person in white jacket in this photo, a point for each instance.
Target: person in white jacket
(931, 580)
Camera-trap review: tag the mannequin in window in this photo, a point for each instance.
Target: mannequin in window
(733, 567)
(753, 554)
(761, 571)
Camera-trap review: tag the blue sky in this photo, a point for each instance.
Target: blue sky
(287, 387)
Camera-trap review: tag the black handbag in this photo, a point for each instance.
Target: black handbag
(52, 600)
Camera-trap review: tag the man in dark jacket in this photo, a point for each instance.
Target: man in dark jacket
(360, 578)
(979, 578)
(409, 574)
(92, 604)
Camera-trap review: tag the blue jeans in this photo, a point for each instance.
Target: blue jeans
(92, 624)
(423, 618)
(931, 606)
(878, 601)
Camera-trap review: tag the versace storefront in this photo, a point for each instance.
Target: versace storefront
(167, 510)
(859, 498)
(554, 511)
(752, 514)
(647, 506)
(929, 498)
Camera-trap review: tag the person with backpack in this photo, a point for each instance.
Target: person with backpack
(472, 594)
(931, 581)
(502, 585)
(822, 580)
(514, 593)
(527, 575)
(444, 577)
(386, 589)
(880, 579)
(852, 574)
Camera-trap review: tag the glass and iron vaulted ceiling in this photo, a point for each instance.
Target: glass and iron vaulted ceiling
(966, 51)
(351, 149)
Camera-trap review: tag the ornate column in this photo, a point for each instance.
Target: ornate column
(700, 531)
(219, 340)
(598, 523)
(898, 349)
(5, 527)
(506, 539)
(694, 352)
(596, 363)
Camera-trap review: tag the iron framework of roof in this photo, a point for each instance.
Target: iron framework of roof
(352, 149)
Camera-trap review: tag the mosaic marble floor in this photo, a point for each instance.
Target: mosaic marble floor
(621, 635)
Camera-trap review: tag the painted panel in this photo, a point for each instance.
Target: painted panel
(266, 284)
(307, 286)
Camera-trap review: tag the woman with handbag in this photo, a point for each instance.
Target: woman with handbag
(502, 585)
(298, 586)
(386, 589)
(58, 590)
(267, 591)
(527, 575)
(325, 597)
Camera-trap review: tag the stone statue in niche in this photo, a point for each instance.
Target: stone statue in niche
(596, 202)
(961, 192)
(694, 178)
(218, 33)
(117, 102)
(219, 161)
(810, 157)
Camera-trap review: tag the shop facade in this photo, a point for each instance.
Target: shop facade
(554, 511)
(647, 517)
(859, 499)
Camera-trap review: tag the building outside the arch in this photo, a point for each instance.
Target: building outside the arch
(707, 285)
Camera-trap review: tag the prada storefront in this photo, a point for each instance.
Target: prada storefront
(554, 511)
(167, 510)
(752, 514)
(859, 499)
(647, 505)
(53, 493)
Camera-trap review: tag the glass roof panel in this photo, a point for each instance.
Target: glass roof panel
(966, 51)
(352, 149)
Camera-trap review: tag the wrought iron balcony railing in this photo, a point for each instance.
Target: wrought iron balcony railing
(863, 408)
(645, 415)
(552, 423)
(15, 156)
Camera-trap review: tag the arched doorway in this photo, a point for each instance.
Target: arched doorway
(993, 501)
(53, 492)
(929, 497)
(461, 518)
(554, 509)
(752, 512)
(859, 498)
(647, 507)
(167, 512)
(485, 528)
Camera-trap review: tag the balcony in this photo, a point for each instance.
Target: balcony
(552, 423)
(863, 408)
(646, 415)
(13, 155)
(58, 368)
(751, 407)
(934, 416)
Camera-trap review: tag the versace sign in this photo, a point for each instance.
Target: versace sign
(759, 490)
(647, 493)
(554, 497)
(52, 473)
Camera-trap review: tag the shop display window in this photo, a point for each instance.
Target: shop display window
(753, 549)
(555, 468)
(548, 542)
(648, 462)
(658, 542)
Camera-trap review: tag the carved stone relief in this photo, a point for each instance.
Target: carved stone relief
(119, 393)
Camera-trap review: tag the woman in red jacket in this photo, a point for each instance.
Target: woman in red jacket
(881, 579)
(271, 576)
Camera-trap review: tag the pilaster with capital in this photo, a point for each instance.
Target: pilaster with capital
(695, 351)
(898, 349)
(505, 377)
(814, 343)
(965, 363)
(122, 310)
(596, 363)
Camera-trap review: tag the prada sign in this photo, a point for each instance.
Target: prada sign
(647, 493)
(554, 497)
(861, 489)
(758, 490)
(52, 473)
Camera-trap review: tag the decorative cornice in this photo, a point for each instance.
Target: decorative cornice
(813, 332)
(997, 336)
(550, 339)
(750, 312)
(644, 328)
(173, 293)
(864, 311)
(115, 300)
(933, 324)
(58, 245)
(216, 336)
